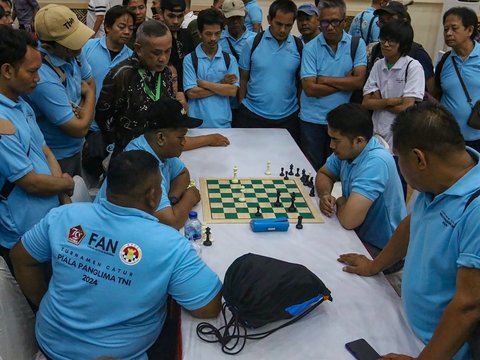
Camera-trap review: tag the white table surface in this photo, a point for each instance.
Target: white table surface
(362, 307)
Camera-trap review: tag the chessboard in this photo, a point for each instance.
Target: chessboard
(220, 200)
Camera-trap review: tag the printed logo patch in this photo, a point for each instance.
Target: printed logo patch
(130, 254)
(76, 235)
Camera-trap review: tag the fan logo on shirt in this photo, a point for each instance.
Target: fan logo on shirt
(130, 254)
(76, 235)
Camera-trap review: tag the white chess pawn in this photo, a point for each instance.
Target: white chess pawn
(235, 178)
(242, 194)
(268, 172)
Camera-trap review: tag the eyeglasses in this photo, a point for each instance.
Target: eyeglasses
(389, 41)
(326, 23)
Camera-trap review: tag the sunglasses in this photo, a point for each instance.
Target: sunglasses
(335, 23)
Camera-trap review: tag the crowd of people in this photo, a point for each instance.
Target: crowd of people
(114, 100)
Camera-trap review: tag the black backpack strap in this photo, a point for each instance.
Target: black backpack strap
(226, 58)
(361, 22)
(60, 73)
(471, 198)
(232, 49)
(8, 186)
(438, 71)
(195, 62)
(299, 45)
(406, 71)
(256, 41)
(354, 47)
(369, 32)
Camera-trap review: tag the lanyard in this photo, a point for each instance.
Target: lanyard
(149, 92)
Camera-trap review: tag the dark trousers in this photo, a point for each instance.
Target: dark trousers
(315, 143)
(245, 118)
(72, 165)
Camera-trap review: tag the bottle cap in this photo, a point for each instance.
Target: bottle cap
(192, 215)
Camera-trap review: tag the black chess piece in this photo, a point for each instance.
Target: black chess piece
(277, 203)
(281, 173)
(312, 191)
(302, 178)
(291, 170)
(298, 172)
(310, 183)
(292, 207)
(258, 213)
(299, 225)
(207, 241)
(286, 176)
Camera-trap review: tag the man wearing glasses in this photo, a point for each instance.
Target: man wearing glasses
(329, 75)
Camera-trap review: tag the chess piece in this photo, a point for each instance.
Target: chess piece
(242, 194)
(277, 203)
(291, 170)
(192, 184)
(310, 183)
(268, 172)
(207, 241)
(292, 207)
(235, 178)
(286, 175)
(281, 173)
(298, 172)
(299, 225)
(302, 178)
(258, 213)
(312, 191)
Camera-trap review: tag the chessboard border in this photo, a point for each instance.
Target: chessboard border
(207, 215)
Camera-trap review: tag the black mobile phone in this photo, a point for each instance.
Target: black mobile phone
(362, 350)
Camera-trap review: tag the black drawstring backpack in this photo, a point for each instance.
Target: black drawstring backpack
(259, 290)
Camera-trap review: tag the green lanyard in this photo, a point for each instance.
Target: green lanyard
(149, 92)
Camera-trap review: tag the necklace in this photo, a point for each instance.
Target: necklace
(147, 89)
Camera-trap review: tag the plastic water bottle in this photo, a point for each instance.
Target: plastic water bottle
(193, 230)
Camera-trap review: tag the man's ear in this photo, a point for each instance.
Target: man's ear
(421, 158)
(160, 136)
(150, 198)
(7, 70)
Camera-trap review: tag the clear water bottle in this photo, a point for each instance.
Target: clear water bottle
(193, 230)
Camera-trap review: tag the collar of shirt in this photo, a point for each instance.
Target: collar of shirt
(55, 60)
(268, 35)
(401, 62)
(125, 211)
(226, 34)
(475, 52)
(103, 44)
(143, 143)
(321, 39)
(201, 53)
(7, 102)
(371, 145)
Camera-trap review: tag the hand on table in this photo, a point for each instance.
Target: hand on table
(193, 193)
(357, 264)
(327, 204)
(217, 140)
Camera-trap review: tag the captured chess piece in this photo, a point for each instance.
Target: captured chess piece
(277, 203)
(299, 225)
(207, 241)
(298, 172)
(291, 170)
(258, 213)
(292, 207)
(268, 172)
(312, 191)
(235, 178)
(281, 173)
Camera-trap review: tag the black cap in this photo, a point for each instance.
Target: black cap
(173, 5)
(393, 8)
(168, 113)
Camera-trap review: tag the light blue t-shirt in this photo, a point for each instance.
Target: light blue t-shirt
(52, 102)
(253, 14)
(169, 168)
(97, 54)
(443, 238)
(373, 174)
(453, 97)
(20, 154)
(271, 89)
(113, 268)
(319, 60)
(237, 45)
(213, 110)
(362, 22)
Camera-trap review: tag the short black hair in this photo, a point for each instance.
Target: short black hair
(429, 127)
(209, 17)
(13, 45)
(468, 17)
(114, 13)
(151, 28)
(400, 31)
(351, 120)
(284, 6)
(126, 2)
(128, 172)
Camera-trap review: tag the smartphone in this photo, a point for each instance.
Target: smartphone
(362, 350)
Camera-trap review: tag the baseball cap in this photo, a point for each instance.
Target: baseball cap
(173, 5)
(233, 8)
(60, 24)
(169, 113)
(308, 9)
(394, 8)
